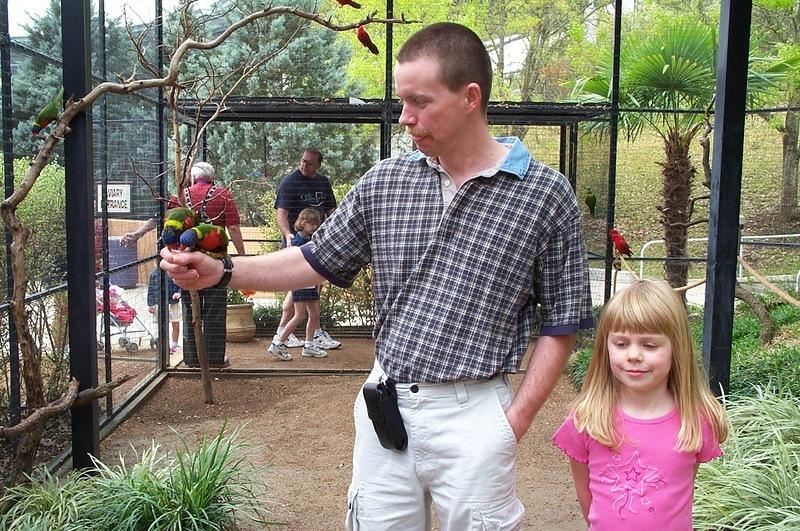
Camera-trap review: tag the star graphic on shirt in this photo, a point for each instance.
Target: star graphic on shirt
(630, 479)
(632, 474)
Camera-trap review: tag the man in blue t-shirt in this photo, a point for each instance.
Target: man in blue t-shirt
(303, 188)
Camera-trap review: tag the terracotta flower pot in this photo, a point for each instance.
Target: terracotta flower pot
(239, 323)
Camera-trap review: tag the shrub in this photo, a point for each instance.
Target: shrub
(755, 485)
(209, 488)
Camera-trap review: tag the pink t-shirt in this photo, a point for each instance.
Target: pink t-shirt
(644, 485)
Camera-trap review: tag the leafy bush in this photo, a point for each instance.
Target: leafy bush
(577, 365)
(756, 484)
(209, 488)
(779, 365)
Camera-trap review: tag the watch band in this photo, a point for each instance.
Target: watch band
(227, 271)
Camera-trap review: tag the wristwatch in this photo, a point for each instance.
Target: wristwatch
(227, 271)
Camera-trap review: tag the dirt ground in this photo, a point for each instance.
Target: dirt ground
(301, 427)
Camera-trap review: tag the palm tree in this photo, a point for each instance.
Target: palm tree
(672, 69)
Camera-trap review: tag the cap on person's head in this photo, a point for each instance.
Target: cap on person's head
(203, 169)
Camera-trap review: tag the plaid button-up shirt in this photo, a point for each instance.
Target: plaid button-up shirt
(456, 291)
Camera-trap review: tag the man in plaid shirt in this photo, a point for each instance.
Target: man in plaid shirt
(468, 237)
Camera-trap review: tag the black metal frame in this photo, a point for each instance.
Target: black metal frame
(725, 206)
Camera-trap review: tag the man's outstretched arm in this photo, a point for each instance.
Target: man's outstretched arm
(279, 271)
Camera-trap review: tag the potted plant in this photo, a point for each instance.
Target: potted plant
(239, 323)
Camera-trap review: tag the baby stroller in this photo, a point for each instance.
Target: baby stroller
(122, 316)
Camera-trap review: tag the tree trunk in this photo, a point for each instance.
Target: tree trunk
(678, 172)
(790, 160)
(758, 307)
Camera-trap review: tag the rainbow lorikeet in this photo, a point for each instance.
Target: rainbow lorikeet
(48, 113)
(208, 238)
(176, 222)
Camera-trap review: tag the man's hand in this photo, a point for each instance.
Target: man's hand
(288, 239)
(128, 239)
(193, 270)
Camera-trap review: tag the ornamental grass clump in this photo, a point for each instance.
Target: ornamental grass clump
(209, 488)
(756, 485)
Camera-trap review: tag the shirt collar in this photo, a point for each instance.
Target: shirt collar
(516, 161)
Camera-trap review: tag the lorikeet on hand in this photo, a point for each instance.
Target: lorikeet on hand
(176, 222)
(48, 113)
(363, 38)
(591, 201)
(208, 238)
(619, 242)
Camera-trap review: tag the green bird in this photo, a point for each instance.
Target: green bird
(176, 222)
(48, 113)
(208, 238)
(591, 201)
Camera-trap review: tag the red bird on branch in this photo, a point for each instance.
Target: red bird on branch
(619, 242)
(349, 3)
(363, 38)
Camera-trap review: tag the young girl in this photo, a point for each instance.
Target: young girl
(645, 418)
(305, 300)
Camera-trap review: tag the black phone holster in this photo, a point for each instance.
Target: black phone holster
(381, 399)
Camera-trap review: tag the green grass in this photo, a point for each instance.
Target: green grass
(756, 484)
(208, 488)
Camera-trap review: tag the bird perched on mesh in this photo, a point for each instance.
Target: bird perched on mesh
(591, 201)
(48, 113)
(177, 221)
(619, 242)
(207, 238)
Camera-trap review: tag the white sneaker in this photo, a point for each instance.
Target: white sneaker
(313, 351)
(324, 340)
(279, 351)
(293, 342)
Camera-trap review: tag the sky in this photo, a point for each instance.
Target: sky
(19, 11)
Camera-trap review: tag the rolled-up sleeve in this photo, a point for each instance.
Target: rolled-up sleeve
(563, 274)
(341, 246)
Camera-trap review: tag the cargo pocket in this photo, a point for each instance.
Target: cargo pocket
(505, 517)
(351, 520)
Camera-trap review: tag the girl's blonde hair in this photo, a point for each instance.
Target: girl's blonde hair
(308, 215)
(648, 307)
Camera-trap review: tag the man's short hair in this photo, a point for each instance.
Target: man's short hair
(203, 169)
(315, 151)
(461, 55)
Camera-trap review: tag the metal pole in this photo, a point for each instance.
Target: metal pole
(163, 309)
(726, 185)
(387, 118)
(612, 144)
(76, 50)
(8, 172)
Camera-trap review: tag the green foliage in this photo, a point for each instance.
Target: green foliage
(755, 484)
(236, 296)
(209, 488)
(577, 365)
